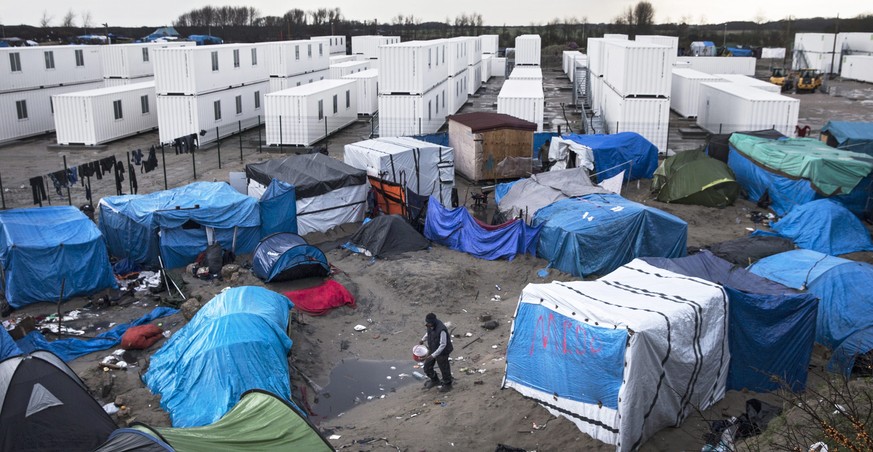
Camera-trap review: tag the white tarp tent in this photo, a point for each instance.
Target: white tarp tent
(624, 356)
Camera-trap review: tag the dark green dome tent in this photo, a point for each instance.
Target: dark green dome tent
(691, 177)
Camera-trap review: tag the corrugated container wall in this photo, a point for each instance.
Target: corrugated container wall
(594, 50)
(523, 99)
(458, 88)
(304, 115)
(368, 91)
(649, 117)
(28, 113)
(280, 83)
(498, 67)
(474, 78)
(728, 107)
(179, 116)
(749, 81)
(718, 65)
(456, 54)
(578, 63)
(474, 50)
(368, 46)
(685, 93)
(47, 66)
(526, 73)
(490, 44)
(336, 43)
(413, 67)
(105, 114)
(670, 41)
(110, 82)
(596, 97)
(855, 43)
(814, 42)
(289, 58)
(486, 68)
(204, 69)
(858, 67)
(340, 70)
(527, 50)
(126, 61)
(637, 68)
(403, 115)
(567, 58)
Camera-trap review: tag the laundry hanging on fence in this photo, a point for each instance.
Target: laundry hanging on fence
(150, 163)
(137, 157)
(59, 180)
(37, 187)
(134, 187)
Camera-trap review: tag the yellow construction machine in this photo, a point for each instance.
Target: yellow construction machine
(802, 80)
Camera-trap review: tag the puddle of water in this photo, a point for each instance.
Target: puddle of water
(356, 381)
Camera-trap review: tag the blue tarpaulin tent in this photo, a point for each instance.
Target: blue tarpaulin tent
(851, 136)
(131, 223)
(613, 152)
(825, 226)
(738, 52)
(458, 230)
(235, 343)
(595, 234)
(278, 206)
(284, 256)
(845, 309)
(7, 345)
(40, 247)
(771, 328)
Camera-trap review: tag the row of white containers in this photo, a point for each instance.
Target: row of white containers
(486, 67)
(455, 53)
(490, 44)
(413, 67)
(527, 50)
(289, 58)
(26, 68)
(336, 44)
(686, 88)
(368, 90)
(221, 113)
(858, 67)
(280, 83)
(205, 69)
(718, 65)
(368, 46)
(458, 87)
(130, 61)
(413, 114)
(475, 75)
(523, 99)
(105, 114)
(340, 70)
(303, 115)
(726, 107)
(30, 112)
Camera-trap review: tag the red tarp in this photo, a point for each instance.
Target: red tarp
(321, 299)
(141, 337)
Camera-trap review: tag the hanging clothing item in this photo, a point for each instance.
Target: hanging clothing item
(150, 163)
(107, 164)
(88, 193)
(137, 157)
(59, 180)
(72, 176)
(119, 176)
(37, 187)
(132, 174)
(177, 144)
(190, 142)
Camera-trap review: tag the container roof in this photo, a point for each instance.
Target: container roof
(111, 90)
(695, 74)
(482, 121)
(313, 88)
(527, 88)
(747, 92)
(369, 73)
(350, 63)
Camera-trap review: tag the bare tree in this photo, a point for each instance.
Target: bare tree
(644, 17)
(86, 19)
(45, 20)
(69, 18)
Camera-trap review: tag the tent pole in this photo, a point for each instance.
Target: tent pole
(60, 299)
(233, 244)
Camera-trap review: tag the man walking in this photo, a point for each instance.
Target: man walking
(439, 346)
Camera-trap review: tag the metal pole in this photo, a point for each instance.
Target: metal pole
(325, 126)
(164, 165)
(280, 133)
(217, 140)
(69, 197)
(239, 124)
(259, 134)
(2, 196)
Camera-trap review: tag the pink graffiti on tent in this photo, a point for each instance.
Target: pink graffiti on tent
(547, 330)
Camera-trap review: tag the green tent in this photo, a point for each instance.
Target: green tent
(692, 177)
(259, 421)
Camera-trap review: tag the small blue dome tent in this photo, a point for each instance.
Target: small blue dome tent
(283, 256)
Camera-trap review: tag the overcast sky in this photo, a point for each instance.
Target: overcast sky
(494, 12)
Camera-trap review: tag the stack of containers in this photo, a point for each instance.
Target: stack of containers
(124, 64)
(498, 66)
(335, 43)
(568, 58)
(368, 91)
(750, 81)
(856, 54)
(474, 65)
(685, 91)
(815, 51)
(368, 46)
(523, 99)
(340, 70)
(102, 115)
(295, 63)
(486, 67)
(213, 91)
(412, 88)
(527, 50)
(636, 89)
(725, 107)
(718, 65)
(455, 51)
(490, 44)
(303, 115)
(596, 69)
(670, 41)
(858, 67)
(30, 76)
(579, 62)
(527, 73)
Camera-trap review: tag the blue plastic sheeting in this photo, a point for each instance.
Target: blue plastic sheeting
(785, 193)
(131, 223)
(284, 256)
(458, 230)
(771, 327)
(235, 343)
(441, 139)
(613, 152)
(825, 226)
(8, 347)
(502, 189)
(851, 136)
(71, 348)
(845, 309)
(539, 139)
(595, 234)
(543, 356)
(738, 52)
(40, 247)
(278, 206)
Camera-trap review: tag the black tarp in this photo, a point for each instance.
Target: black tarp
(46, 407)
(745, 251)
(131, 440)
(311, 175)
(718, 147)
(388, 235)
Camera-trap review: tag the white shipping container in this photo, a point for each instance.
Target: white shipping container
(726, 107)
(567, 58)
(28, 113)
(458, 86)
(413, 67)
(858, 67)
(526, 73)
(649, 117)
(474, 78)
(579, 62)
(814, 42)
(368, 46)
(404, 115)
(685, 92)
(368, 90)
(490, 44)
(133, 60)
(618, 36)
(670, 41)
(637, 68)
(486, 67)
(280, 83)
(205, 69)
(596, 97)
(456, 54)
(855, 43)
(179, 116)
(814, 60)
(340, 70)
(47, 66)
(336, 43)
(110, 82)
(523, 99)
(306, 114)
(527, 50)
(336, 59)
(750, 81)
(474, 50)
(287, 58)
(105, 114)
(595, 50)
(498, 66)
(719, 65)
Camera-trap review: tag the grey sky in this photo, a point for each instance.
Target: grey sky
(494, 12)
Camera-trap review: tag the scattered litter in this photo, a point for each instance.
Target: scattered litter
(388, 377)
(334, 437)
(413, 415)
(418, 375)
(481, 371)
(464, 310)
(617, 208)
(167, 333)
(382, 396)
(468, 334)
(543, 272)
(369, 397)
(110, 408)
(818, 447)
(460, 358)
(119, 352)
(498, 287)
(750, 229)
(493, 346)
(495, 298)
(537, 427)
(402, 376)
(393, 368)
(360, 328)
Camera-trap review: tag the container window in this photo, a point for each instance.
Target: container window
(298, 83)
(214, 61)
(444, 98)
(444, 54)
(216, 106)
(254, 56)
(21, 108)
(296, 52)
(438, 104)
(15, 61)
(116, 108)
(428, 58)
(335, 109)
(145, 54)
(258, 99)
(80, 57)
(239, 105)
(429, 109)
(49, 59)
(320, 49)
(320, 110)
(144, 103)
(309, 50)
(348, 99)
(235, 57)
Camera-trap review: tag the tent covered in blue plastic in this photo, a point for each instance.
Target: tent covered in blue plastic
(624, 151)
(771, 329)
(176, 223)
(738, 52)
(595, 234)
(7, 345)
(278, 206)
(235, 343)
(825, 226)
(42, 247)
(845, 309)
(284, 256)
(851, 136)
(458, 230)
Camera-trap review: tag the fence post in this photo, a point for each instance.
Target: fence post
(280, 133)
(2, 196)
(164, 165)
(69, 197)
(239, 125)
(719, 129)
(259, 134)
(129, 180)
(217, 140)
